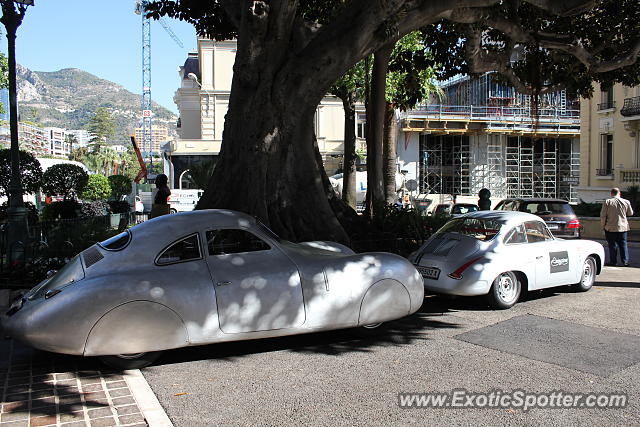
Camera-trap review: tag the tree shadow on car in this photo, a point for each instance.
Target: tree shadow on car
(405, 331)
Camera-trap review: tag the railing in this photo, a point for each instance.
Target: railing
(52, 243)
(630, 175)
(499, 117)
(631, 107)
(606, 105)
(604, 172)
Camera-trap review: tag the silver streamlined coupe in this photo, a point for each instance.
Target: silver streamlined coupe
(204, 277)
(501, 253)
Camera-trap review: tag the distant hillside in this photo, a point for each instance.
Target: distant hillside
(68, 99)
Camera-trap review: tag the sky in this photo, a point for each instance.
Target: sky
(104, 38)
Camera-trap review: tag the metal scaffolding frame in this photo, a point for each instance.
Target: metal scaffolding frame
(445, 164)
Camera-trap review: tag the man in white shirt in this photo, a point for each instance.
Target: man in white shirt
(613, 218)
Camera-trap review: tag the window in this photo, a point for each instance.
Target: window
(117, 242)
(233, 241)
(606, 155)
(516, 235)
(186, 249)
(537, 232)
(481, 229)
(606, 97)
(548, 208)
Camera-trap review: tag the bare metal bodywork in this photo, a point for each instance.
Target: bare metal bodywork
(121, 301)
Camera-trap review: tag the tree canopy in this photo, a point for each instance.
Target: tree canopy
(64, 180)
(101, 126)
(290, 53)
(30, 172)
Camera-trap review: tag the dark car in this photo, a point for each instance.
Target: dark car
(557, 213)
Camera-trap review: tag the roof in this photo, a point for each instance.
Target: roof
(536, 200)
(504, 216)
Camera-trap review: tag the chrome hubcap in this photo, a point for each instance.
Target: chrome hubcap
(506, 288)
(587, 274)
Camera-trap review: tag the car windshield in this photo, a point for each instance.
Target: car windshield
(478, 228)
(463, 209)
(71, 272)
(547, 208)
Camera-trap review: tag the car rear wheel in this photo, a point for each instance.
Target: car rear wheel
(588, 275)
(172, 211)
(130, 361)
(505, 290)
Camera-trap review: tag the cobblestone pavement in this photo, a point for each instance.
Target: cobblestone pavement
(45, 389)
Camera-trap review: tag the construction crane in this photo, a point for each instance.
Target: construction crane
(147, 140)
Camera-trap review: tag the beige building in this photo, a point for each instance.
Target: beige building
(609, 141)
(159, 136)
(203, 100)
(58, 147)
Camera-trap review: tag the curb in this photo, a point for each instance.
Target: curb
(147, 401)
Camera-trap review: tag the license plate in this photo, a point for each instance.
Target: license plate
(552, 226)
(429, 272)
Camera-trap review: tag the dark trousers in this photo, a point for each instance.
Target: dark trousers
(617, 240)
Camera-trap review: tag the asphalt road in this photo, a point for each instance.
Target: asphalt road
(553, 340)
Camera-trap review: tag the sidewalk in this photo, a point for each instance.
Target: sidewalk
(46, 389)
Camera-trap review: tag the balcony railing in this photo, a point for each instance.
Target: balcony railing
(631, 107)
(518, 118)
(630, 175)
(604, 172)
(606, 105)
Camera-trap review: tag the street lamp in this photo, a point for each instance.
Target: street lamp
(192, 76)
(12, 14)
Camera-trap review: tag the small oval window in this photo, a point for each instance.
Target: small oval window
(117, 242)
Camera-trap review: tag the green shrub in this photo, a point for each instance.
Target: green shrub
(94, 208)
(64, 179)
(119, 206)
(587, 209)
(66, 209)
(120, 186)
(97, 188)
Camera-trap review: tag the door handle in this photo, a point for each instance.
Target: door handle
(539, 257)
(223, 283)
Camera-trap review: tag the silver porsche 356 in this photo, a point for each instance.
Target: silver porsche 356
(205, 277)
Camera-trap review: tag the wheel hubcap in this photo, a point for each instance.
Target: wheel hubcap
(506, 288)
(587, 274)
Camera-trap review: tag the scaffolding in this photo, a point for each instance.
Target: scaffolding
(445, 164)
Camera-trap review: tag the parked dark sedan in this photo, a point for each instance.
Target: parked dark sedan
(557, 213)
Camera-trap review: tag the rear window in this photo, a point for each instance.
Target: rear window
(478, 228)
(547, 208)
(463, 209)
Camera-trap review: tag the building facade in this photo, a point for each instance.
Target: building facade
(484, 134)
(159, 137)
(58, 145)
(609, 141)
(30, 138)
(203, 100)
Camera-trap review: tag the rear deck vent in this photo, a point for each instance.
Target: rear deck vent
(91, 256)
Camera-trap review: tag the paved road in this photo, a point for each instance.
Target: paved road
(554, 340)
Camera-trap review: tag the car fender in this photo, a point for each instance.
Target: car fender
(135, 327)
(387, 299)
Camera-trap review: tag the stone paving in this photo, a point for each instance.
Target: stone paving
(45, 389)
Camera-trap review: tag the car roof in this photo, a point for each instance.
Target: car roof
(196, 220)
(536, 200)
(508, 217)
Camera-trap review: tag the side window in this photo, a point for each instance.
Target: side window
(516, 235)
(499, 207)
(233, 241)
(186, 249)
(537, 232)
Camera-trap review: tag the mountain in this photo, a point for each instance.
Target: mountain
(68, 99)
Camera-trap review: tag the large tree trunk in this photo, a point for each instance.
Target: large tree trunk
(389, 155)
(375, 118)
(349, 160)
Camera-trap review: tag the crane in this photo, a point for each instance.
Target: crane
(140, 7)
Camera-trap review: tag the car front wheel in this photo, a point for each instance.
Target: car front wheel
(505, 290)
(588, 275)
(131, 361)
